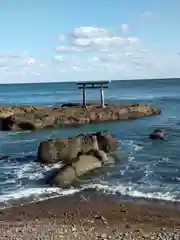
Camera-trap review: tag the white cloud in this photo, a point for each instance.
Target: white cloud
(98, 43)
(146, 14)
(94, 59)
(91, 53)
(58, 58)
(31, 61)
(90, 32)
(115, 56)
(19, 67)
(67, 49)
(14, 55)
(61, 37)
(124, 28)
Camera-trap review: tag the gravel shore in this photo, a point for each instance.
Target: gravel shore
(91, 216)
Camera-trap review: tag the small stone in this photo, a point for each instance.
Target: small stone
(104, 236)
(128, 226)
(74, 229)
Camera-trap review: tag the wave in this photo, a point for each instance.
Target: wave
(130, 190)
(34, 195)
(30, 195)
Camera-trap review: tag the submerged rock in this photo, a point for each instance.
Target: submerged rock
(158, 134)
(3, 158)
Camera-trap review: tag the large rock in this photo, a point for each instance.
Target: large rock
(83, 165)
(66, 150)
(104, 158)
(80, 155)
(106, 142)
(64, 177)
(31, 117)
(57, 150)
(86, 164)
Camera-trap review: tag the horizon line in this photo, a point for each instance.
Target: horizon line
(137, 79)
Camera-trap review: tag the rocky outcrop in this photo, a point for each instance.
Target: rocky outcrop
(80, 156)
(7, 113)
(31, 118)
(66, 150)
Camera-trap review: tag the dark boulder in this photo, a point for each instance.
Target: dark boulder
(158, 134)
(83, 165)
(70, 105)
(65, 150)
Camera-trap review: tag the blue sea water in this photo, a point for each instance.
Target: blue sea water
(146, 168)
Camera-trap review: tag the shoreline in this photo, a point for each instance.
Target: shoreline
(107, 213)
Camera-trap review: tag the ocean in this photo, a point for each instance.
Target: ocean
(146, 168)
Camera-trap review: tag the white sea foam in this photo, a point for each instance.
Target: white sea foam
(131, 158)
(137, 148)
(18, 133)
(31, 171)
(42, 193)
(129, 190)
(131, 144)
(20, 141)
(37, 193)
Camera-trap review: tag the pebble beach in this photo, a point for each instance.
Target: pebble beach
(92, 216)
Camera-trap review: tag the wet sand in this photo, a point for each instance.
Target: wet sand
(94, 216)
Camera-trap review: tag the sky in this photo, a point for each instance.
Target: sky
(83, 40)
